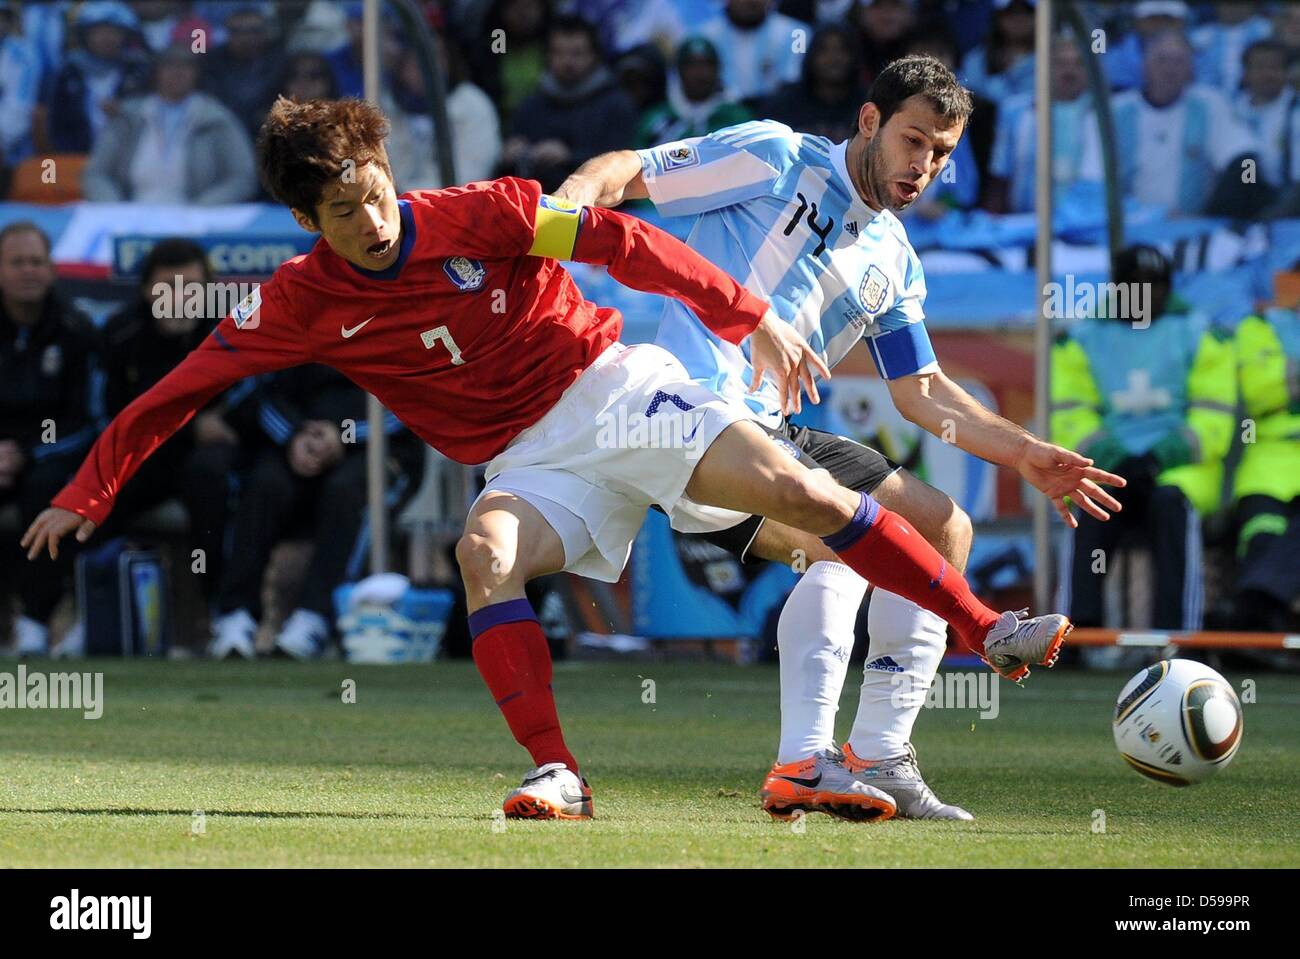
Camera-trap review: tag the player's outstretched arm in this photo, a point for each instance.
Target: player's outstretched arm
(605, 180)
(936, 403)
(255, 344)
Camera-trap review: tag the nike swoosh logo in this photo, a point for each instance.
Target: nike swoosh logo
(570, 797)
(810, 783)
(347, 333)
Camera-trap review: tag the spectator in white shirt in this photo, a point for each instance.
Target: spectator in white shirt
(1178, 143)
(176, 145)
(760, 48)
(1264, 106)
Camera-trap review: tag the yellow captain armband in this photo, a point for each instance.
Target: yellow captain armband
(557, 228)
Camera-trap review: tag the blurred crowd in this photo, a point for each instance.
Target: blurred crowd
(159, 101)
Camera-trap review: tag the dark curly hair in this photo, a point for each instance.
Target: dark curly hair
(302, 147)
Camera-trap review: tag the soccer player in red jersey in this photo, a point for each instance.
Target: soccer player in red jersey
(450, 307)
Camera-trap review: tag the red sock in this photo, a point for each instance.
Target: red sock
(512, 656)
(884, 549)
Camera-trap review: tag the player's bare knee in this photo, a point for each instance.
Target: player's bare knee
(810, 500)
(484, 565)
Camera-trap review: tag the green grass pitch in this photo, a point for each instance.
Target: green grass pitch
(204, 764)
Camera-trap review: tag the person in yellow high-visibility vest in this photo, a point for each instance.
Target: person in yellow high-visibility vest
(1266, 487)
(1156, 402)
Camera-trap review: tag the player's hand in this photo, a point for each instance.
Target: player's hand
(778, 349)
(581, 190)
(51, 526)
(1057, 473)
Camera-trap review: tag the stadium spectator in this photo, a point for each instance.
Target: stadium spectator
(1266, 487)
(19, 88)
(817, 12)
(884, 27)
(346, 59)
(164, 22)
(46, 352)
(475, 130)
(1013, 163)
(578, 109)
(760, 48)
(309, 478)
(142, 343)
(1286, 27)
(1221, 43)
(643, 75)
(509, 57)
(696, 103)
(1003, 65)
(102, 71)
(307, 76)
(1264, 106)
(177, 145)
(826, 99)
(1148, 390)
(1125, 54)
(236, 72)
(625, 24)
(1178, 143)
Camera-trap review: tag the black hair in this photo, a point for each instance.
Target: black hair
(173, 251)
(923, 75)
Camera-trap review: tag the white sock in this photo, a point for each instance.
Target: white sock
(907, 643)
(815, 637)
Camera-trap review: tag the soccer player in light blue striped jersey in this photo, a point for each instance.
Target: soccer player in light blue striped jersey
(810, 226)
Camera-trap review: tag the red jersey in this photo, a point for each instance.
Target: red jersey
(467, 338)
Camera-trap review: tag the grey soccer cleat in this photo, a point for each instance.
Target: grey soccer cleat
(822, 783)
(901, 778)
(1018, 641)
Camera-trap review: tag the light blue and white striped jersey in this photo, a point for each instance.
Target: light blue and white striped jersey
(776, 209)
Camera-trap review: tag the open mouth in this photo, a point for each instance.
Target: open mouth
(907, 190)
(379, 250)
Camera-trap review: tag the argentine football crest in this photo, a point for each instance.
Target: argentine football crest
(874, 290)
(467, 274)
(247, 315)
(676, 157)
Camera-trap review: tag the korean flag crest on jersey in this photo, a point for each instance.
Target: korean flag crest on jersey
(467, 274)
(874, 290)
(248, 314)
(676, 157)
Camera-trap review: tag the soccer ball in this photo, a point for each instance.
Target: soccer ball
(1178, 722)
